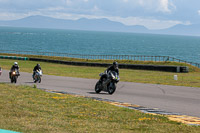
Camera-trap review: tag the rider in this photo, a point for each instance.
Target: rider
(14, 67)
(114, 67)
(37, 67)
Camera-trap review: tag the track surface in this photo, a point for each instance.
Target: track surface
(176, 99)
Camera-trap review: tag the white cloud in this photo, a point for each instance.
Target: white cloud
(141, 2)
(14, 16)
(9, 16)
(125, 0)
(95, 8)
(199, 12)
(164, 6)
(150, 23)
(52, 9)
(68, 2)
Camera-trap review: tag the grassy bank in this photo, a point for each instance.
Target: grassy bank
(141, 76)
(27, 109)
(191, 68)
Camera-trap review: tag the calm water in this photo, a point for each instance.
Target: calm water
(100, 43)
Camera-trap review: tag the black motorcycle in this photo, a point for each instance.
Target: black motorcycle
(14, 75)
(109, 83)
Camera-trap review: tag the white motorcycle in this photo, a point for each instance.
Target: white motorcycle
(38, 76)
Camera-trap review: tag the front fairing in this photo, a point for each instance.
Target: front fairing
(15, 72)
(39, 73)
(114, 76)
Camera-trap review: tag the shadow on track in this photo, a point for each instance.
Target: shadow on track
(28, 82)
(102, 93)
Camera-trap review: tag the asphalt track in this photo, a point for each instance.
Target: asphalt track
(181, 100)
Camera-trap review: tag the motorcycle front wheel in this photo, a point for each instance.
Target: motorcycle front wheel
(97, 87)
(39, 80)
(14, 79)
(111, 88)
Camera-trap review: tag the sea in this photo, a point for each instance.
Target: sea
(100, 43)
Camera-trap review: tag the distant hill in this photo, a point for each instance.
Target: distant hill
(96, 25)
(180, 29)
(80, 24)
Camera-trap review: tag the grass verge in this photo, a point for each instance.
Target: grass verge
(27, 109)
(191, 68)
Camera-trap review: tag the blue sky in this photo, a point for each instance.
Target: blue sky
(153, 14)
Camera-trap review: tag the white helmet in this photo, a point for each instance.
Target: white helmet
(15, 63)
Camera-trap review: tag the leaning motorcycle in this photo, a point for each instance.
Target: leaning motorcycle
(37, 77)
(108, 84)
(14, 75)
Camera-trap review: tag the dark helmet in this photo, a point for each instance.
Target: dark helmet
(38, 65)
(115, 64)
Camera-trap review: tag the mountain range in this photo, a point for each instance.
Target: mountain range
(97, 25)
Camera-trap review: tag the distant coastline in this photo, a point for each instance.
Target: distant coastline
(97, 25)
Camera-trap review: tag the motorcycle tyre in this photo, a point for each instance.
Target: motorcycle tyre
(39, 80)
(97, 88)
(15, 79)
(112, 90)
(35, 79)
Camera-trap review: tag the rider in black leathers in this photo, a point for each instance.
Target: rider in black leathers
(37, 67)
(114, 67)
(13, 68)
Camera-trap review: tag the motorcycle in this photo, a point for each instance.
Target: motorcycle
(108, 84)
(14, 75)
(37, 76)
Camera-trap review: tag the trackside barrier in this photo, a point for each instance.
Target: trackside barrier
(14, 57)
(179, 69)
(104, 57)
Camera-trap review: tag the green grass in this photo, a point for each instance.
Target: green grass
(191, 79)
(27, 109)
(191, 68)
